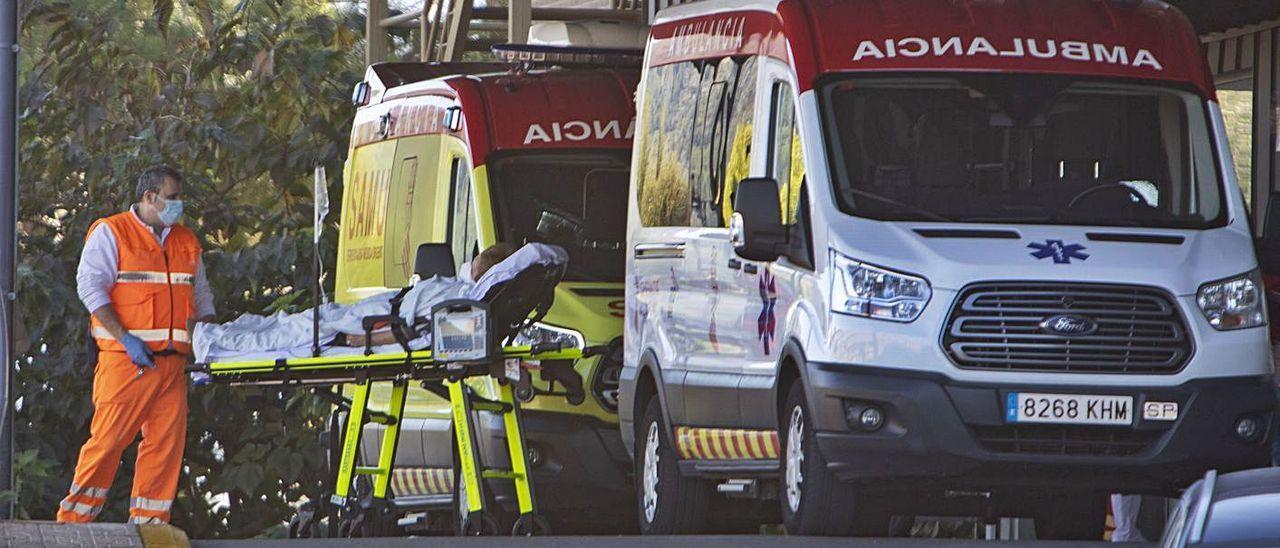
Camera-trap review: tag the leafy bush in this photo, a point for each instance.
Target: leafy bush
(244, 98)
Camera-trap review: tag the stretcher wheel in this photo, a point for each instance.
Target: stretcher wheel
(479, 524)
(524, 393)
(531, 525)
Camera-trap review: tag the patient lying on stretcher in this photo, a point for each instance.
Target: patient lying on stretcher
(341, 330)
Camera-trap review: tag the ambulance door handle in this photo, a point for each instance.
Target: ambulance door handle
(667, 250)
(735, 264)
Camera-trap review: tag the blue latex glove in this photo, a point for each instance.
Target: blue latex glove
(200, 378)
(139, 354)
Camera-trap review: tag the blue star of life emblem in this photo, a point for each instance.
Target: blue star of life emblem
(1061, 253)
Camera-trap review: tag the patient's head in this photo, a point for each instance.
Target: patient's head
(489, 257)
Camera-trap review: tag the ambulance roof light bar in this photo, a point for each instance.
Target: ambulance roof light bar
(538, 54)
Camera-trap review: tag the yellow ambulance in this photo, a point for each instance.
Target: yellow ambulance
(474, 154)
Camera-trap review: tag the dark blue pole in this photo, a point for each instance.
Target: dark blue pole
(8, 236)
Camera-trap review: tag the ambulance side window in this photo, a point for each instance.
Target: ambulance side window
(704, 147)
(785, 164)
(737, 140)
(662, 159)
(722, 138)
(462, 215)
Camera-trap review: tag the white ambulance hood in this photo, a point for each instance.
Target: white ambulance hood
(950, 259)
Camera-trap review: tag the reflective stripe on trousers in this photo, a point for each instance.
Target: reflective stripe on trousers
(89, 511)
(95, 492)
(144, 520)
(154, 505)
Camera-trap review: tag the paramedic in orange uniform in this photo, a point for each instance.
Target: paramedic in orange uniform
(141, 277)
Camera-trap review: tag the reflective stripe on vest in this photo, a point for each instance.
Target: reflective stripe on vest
(153, 277)
(147, 335)
(152, 505)
(86, 510)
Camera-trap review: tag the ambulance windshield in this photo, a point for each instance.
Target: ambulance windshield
(574, 199)
(1010, 148)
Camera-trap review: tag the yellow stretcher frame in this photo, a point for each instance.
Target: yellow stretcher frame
(399, 368)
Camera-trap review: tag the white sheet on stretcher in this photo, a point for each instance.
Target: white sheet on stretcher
(256, 337)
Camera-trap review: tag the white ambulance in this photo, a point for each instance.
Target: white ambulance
(888, 257)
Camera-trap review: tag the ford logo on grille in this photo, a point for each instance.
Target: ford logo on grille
(1068, 325)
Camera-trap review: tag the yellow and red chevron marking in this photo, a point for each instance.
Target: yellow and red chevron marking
(421, 481)
(726, 443)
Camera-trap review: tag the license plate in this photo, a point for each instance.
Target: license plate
(1068, 408)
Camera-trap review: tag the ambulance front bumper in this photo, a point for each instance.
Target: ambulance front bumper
(952, 435)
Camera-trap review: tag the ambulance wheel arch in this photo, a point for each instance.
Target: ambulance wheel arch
(791, 370)
(648, 385)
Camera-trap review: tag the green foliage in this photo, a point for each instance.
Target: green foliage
(244, 97)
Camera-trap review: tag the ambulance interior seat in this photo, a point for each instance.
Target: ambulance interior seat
(940, 165)
(1066, 155)
(886, 132)
(1075, 155)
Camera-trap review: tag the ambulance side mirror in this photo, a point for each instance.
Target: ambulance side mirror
(360, 95)
(756, 226)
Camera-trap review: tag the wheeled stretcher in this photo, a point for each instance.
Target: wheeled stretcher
(465, 343)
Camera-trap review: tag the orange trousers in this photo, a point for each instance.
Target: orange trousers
(125, 404)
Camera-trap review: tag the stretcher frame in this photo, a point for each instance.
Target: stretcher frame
(400, 368)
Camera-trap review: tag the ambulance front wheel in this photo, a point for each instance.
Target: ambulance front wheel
(531, 525)
(668, 502)
(814, 501)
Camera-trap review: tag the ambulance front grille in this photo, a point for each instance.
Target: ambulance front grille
(1048, 439)
(998, 326)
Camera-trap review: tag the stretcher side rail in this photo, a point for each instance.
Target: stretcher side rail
(417, 365)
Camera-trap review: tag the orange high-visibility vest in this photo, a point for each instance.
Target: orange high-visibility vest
(154, 294)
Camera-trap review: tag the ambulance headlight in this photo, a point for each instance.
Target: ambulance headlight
(543, 334)
(1234, 303)
(861, 289)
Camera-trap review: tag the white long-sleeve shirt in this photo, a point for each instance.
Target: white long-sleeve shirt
(100, 263)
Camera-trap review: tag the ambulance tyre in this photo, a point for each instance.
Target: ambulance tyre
(668, 503)
(814, 501)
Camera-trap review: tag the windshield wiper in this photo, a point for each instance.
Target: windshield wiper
(895, 203)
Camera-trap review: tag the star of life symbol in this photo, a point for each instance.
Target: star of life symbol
(767, 323)
(1061, 253)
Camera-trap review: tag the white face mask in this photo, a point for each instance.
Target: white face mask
(170, 212)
